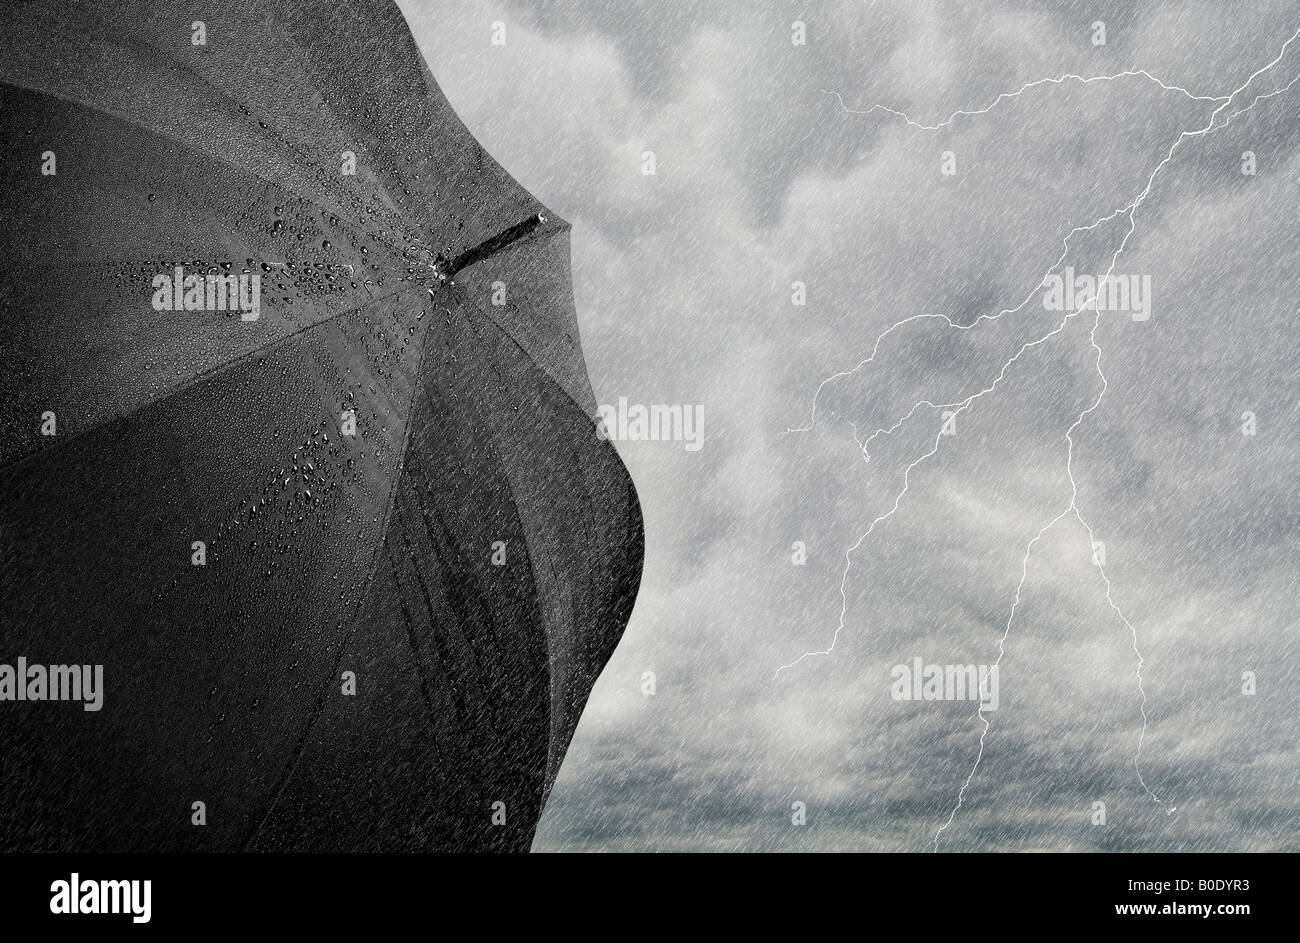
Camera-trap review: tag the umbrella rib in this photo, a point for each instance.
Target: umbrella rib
(530, 564)
(489, 316)
(295, 756)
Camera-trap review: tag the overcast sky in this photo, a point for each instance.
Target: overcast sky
(683, 290)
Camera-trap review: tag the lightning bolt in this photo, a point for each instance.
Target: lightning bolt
(1008, 96)
(1128, 211)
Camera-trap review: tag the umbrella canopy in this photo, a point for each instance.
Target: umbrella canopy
(297, 444)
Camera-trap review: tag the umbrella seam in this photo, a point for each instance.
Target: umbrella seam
(390, 502)
(211, 373)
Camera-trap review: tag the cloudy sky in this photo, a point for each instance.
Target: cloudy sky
(772, 166)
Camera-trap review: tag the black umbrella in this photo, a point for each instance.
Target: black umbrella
(297, 443)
